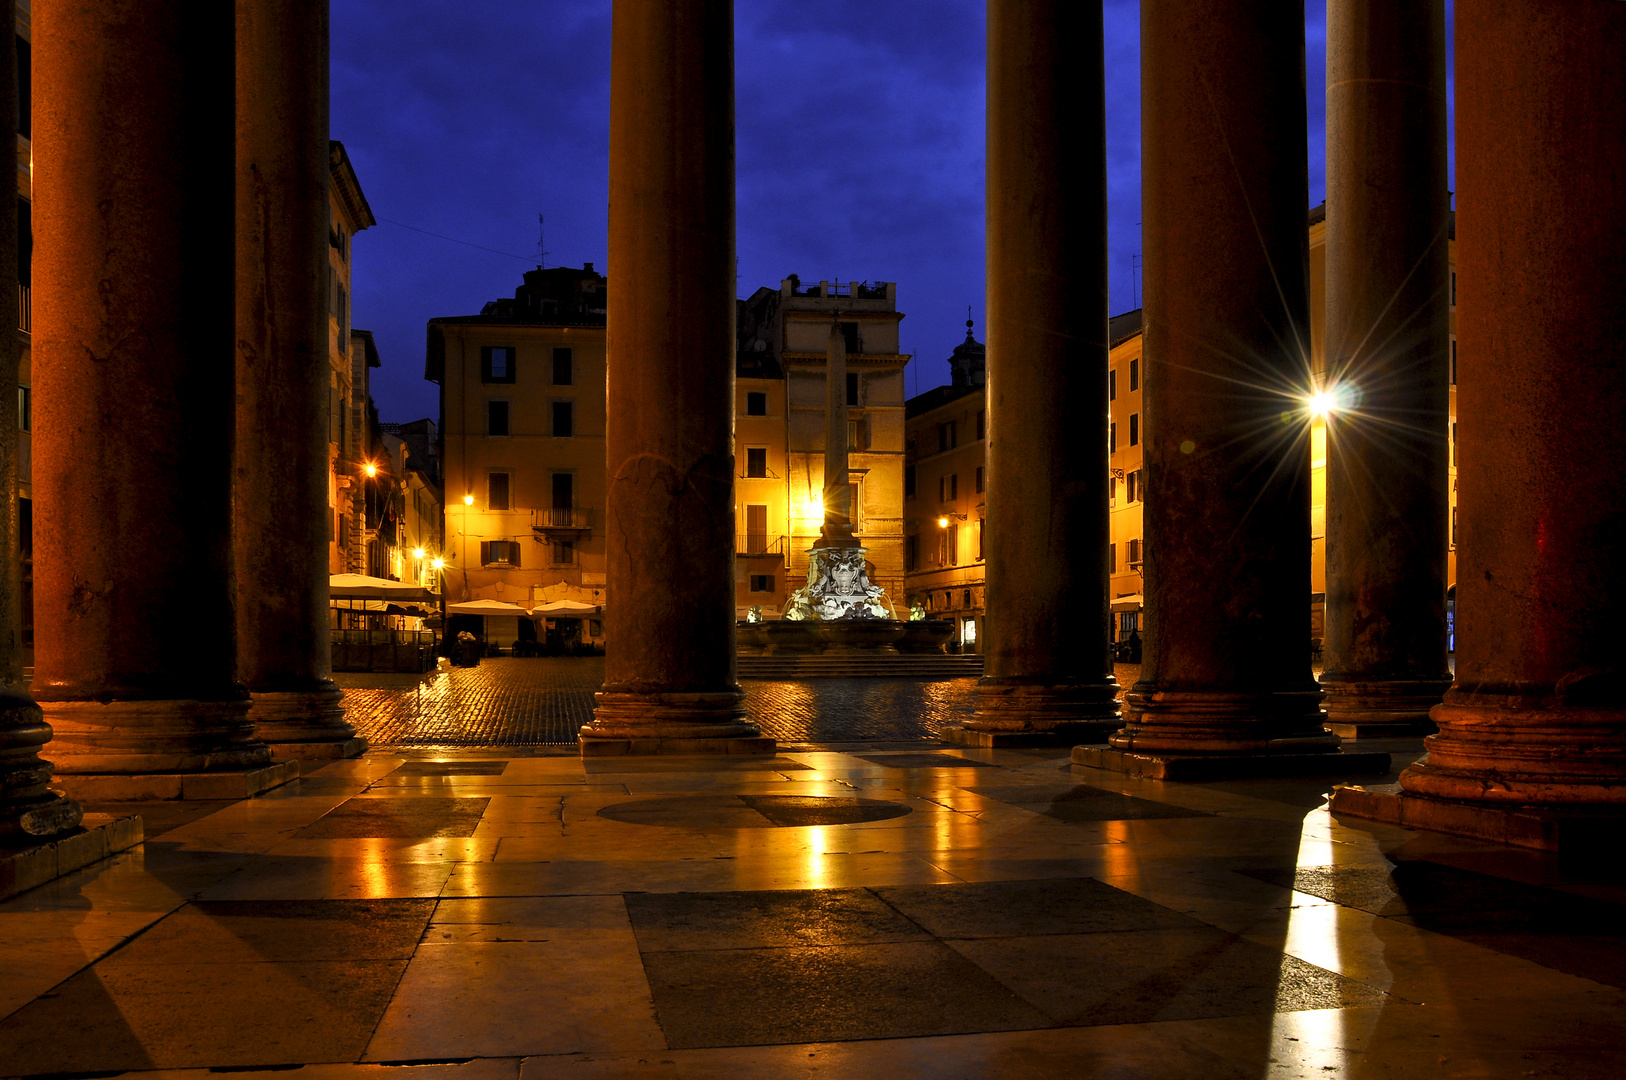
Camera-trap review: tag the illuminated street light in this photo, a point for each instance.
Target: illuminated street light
(942, 523)
(371, 469)
(417, 553)
(1323, 403)
(468, 500)
(438, 564)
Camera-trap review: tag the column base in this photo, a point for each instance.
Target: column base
(305, 724)
(31, 811)
(35, 864)
(1522, 750)
(145, 787)
(1200, 767)
(1223, 724)
(1380, 709)
(1588, 830)
(1028, 712)
(319, 751)
(632, 723)
(153, 737)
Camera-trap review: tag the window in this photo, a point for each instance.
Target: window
(1134, 429)
(496, 418)
(1134, 375)
(756, 404)
(908, 481)
(852, 388)
(982, 425)
(946, 439)
(499, 553)
(1133, 484)
(982, 527)
(564, 419)
(564, 491)
(756, 529)
(25, 408)
(756, 461)
(563, 367)
(1453, 442)
(1112, 386)
(762, 583)
(497, 363)
(595, 628)
(497, 491)
(951, 539)
(953, 486)
(849, 337)
(1453, 526)
(1112, 491)
(1134, 553)
(982, 478)
(1112, 438)
(854, 435)
(1453, 361)
(1112, 558)
(942, 489)
(911, 553)
(562, 553)
(25, 88)
(1453, 288)
(343, 311)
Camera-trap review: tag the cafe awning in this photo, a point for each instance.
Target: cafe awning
(362, 587)
(1128, 603)
(484, 607)
(567, 608)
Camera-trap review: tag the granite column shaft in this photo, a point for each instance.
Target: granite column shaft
(29, 808)
(1226, 667)
(669, 683)
(1048, 640)
(1538, 710)
(133, 332)
(1388, 359)
(279, 475)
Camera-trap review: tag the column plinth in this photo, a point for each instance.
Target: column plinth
(30, 809)
(1048, 669)
(669, 682)
(135, 424)
(1388, 366)
(1531, 747)
(1225, 686)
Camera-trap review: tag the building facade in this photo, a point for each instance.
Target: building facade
(522, 442)
(945, 486)
(350, 357)
(946, 579)
(780, 433)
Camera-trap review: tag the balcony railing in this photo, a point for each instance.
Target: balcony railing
(755, 543)
(559, 518)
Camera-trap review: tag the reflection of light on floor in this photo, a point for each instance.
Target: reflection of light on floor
(820, 839)
(375, 869)
(1314, 1039)
(1119, 855)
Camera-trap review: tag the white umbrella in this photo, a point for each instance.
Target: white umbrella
(362, 587)
(484, 607)
(567, 607)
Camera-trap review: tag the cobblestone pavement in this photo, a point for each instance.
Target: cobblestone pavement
(544, 701)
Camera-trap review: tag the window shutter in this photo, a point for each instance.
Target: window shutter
(513, 552)
(485, 552)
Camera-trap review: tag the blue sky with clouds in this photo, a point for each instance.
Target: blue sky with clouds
(859, 142)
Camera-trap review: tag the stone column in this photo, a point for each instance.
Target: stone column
(29, 808)
(1226, 686)
(669, 684)
(133, 328)
(1388, 365)
(1538, 713)
(838, 509)
(279, 475)
(1047, 644)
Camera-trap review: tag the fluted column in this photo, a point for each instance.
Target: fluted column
(669, 684)
(1388, 342)
(133, 332)
(1047, 644)
(29, 808)
(1538, 710)
(1226, 672)
(279, 474)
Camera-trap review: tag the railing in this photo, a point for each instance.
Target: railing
(25, 314)
(754, 543)
(561, 518)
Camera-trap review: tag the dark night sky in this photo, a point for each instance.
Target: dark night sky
(860, 151)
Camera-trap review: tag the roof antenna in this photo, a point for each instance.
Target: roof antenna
(541, 241)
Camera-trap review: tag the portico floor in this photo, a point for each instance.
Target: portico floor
(835, 913)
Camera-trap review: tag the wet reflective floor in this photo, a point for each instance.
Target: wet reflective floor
(927, 912)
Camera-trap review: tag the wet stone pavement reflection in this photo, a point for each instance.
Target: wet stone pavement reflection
(544, 701)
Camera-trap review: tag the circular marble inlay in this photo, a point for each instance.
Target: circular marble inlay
(752, 811)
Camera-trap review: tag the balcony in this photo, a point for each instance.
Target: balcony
(754, 545)
(557, 521)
